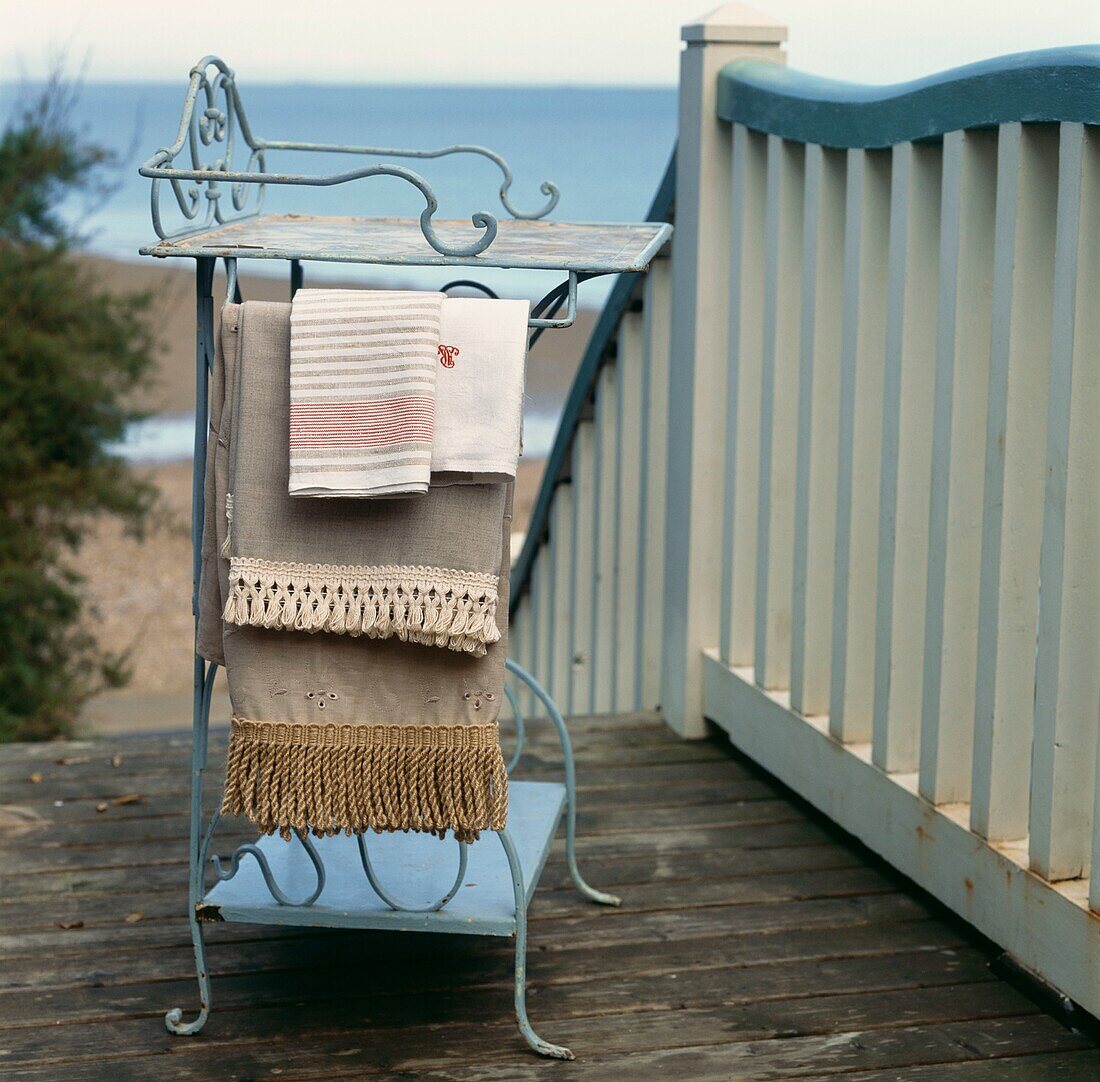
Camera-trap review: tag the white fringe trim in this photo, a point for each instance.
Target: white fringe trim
(428, 605)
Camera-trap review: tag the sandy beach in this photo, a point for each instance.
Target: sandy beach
(140, 589)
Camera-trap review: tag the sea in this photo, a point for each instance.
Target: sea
(605, 148)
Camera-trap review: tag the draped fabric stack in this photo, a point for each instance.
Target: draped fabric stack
(355, 557)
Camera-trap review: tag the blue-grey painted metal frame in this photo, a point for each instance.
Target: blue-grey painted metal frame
(1046, 85)
(212, 124)
(209, 192)
(200, 840)
(213, 120)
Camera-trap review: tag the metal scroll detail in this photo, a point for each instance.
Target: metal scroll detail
(214, 123)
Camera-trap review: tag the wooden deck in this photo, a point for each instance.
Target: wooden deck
(753, 942)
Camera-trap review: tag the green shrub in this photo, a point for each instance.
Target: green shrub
(70, 358)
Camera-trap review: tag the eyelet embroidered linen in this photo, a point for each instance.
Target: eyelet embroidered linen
(362, 391)
(423, 571)
(332, 732)
(479, 389)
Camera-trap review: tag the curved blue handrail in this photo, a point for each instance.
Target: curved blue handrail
(1044, 85)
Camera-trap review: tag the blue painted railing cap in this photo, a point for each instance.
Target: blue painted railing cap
(1046, 85)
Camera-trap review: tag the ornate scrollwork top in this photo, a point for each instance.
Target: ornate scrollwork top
(213, 120)
(210, 126)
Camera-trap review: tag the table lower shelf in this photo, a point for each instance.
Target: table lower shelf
(416, 869)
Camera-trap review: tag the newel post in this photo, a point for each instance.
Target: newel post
(698, 352)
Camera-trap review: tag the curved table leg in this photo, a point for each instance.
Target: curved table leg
(597, 896)
(173, 1020)
(544, 1048)
(203, 673)
(204, 686)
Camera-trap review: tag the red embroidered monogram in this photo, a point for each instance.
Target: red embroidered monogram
(447, 355)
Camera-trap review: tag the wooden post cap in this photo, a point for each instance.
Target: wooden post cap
(734, 23)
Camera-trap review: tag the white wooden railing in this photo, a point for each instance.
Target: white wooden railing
(872, 370)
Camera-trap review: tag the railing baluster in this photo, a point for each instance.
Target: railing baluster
(818, 400)
(560, 671)
(742, 440)
(863, 330)
(906, 454)
(530, 631)
(630, 533)
(602, 603)
(958, 434)
(543, 627)
(1067, 680)
(779, 375)
(584, 559)
(517, 641)
(1027, 163)
(651, 569)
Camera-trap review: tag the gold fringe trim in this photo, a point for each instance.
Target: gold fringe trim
(354, 778)
(428, 605)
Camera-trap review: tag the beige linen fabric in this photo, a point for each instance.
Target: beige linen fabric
(421, 570)
(333, 732)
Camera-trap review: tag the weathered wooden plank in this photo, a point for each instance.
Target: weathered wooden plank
(606, 847)
(65, 896)
(258, 990)
(542, 757)
(155, 745)
(759, 907)
(609, 822)
(640, 924)
(554, 897)
(157, 806)
(91, 832)
(833, 1054)
(1041, 1067)
(420, 1046)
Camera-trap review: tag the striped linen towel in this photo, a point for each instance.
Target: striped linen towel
(362, 391)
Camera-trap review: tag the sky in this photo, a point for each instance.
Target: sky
(510, 41)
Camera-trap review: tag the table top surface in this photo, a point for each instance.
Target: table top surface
(590, 247)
